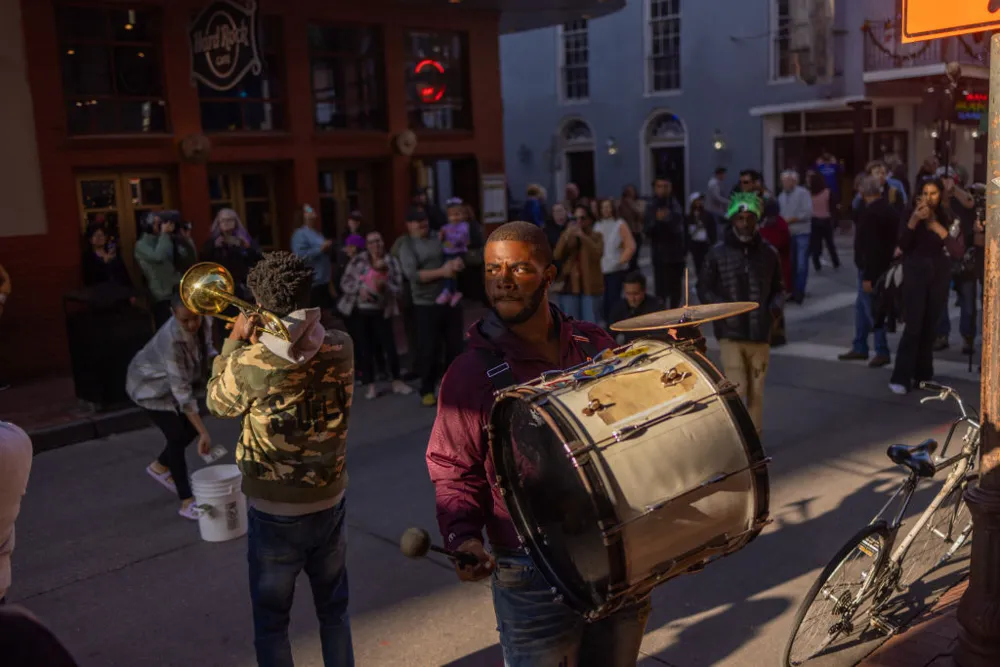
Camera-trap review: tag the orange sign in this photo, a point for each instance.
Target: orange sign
(931, 19)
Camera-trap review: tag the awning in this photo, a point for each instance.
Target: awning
(833, 104)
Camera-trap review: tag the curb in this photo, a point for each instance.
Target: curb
(100, 425)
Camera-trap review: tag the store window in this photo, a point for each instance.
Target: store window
(257, 102)
(436, 84)
(112, 74)
(249, 192)
(347, 82)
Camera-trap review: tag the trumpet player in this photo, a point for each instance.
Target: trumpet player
(161, 380)
(293, 393)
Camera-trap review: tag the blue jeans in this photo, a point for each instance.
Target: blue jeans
(968, 298)
(581, 307)
(279, 547)
(537, 631)
(800, 264)
(864, 323)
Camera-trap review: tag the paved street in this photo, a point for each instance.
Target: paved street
(103, 558)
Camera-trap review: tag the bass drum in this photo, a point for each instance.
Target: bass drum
(627, 471)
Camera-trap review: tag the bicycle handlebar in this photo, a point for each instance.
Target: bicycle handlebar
(943, 394)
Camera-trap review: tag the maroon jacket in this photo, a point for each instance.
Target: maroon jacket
(458, 452)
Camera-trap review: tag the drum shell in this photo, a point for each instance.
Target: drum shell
(648, 537)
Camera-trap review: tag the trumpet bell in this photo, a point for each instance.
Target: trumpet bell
(208, 288)
(202, 286)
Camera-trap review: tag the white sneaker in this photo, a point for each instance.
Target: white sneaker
(190, 511)
(898, 389)
(401, 388)
(371, 392)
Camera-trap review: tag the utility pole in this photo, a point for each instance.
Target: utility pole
(979, 609)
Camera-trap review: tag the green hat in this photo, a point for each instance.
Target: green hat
(744, 201)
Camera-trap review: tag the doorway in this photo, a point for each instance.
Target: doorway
(118, 201)
(577, 165)
(250, 192)
(668, 162)
(580, 170)
(664, 153)
(342, 190)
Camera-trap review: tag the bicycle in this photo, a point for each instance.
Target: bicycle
(853, 591)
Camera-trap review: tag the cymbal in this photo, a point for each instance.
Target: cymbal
(688, 316)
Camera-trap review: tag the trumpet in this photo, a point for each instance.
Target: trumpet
(208, 288)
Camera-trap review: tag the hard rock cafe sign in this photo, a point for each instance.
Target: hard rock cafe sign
(223, 41)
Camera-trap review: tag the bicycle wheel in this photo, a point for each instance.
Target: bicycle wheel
(940, 537)
(835, 610)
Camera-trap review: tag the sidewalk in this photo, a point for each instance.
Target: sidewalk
(928, 642)
(50, 412)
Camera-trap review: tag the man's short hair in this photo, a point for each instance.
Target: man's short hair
(636, 278)
(874, 164)
(416, 214)
(524, 232)
(280, 282)
(720, 170)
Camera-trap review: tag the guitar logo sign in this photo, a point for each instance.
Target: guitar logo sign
(223, 41)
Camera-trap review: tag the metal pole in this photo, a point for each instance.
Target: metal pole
(979, 609)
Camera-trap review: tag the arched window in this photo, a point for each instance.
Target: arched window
(665, 128)
(577, 133)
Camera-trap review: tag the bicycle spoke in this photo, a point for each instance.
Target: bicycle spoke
(945, 530)
(838, 614)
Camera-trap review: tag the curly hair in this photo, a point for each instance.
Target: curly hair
(280, 282)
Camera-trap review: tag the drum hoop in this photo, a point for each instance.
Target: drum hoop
(558, 420)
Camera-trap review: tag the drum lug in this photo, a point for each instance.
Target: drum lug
(726, 386)
(594, 407)
(558, 599)
(674, 377)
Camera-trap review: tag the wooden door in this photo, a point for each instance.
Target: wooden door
(342, 189)
(250, 192)
(118, 201)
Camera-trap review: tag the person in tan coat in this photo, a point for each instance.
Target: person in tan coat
(580, 284)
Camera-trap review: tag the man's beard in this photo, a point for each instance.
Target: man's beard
(535, 301)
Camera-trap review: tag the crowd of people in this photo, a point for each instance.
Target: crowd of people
(554, 283)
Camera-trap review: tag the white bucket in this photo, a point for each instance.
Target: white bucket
(222, 507)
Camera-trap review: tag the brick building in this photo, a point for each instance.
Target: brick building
(115, 108)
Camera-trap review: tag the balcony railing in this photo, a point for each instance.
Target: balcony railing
(884, 49)
(785, 60)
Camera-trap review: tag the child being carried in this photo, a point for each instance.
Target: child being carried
(455, 239)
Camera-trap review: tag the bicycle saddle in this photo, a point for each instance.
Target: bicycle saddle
(917, 458)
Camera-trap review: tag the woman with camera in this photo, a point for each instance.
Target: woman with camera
(927, 248)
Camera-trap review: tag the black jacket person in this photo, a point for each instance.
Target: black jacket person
(744, 267)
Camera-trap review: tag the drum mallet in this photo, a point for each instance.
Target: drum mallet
(416, 542)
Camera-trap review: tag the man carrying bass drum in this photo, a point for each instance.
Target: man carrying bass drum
(522, 337)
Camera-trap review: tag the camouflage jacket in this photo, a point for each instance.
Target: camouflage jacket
(295, 400)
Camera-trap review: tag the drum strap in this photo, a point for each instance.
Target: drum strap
(499, 372)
